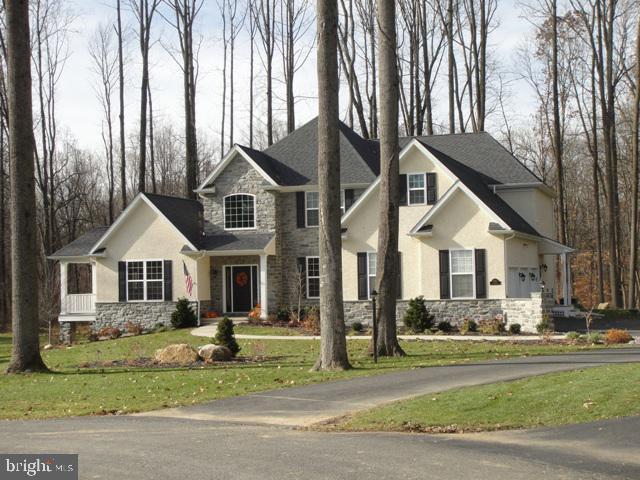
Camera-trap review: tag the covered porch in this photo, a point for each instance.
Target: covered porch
(77, 304)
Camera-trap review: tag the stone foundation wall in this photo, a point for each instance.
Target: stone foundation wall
(67, 332)
(528, 312)
(147, 314)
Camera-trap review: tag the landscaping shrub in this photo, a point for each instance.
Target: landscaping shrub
(226, 337)
(134, 328)
(615, 335)
(515, 329)
(594, 338)
(445, 326)
(491, 326)
(467, 326)
(573, 336)
(283, 315)
(545, 327)
(111, 332)
(311, 321)
(417, 318)
(357, 326)
(255, 313)
(183, 316)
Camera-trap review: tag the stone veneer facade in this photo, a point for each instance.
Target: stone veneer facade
(527, 312)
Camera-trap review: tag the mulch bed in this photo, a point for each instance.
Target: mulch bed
(148, 362)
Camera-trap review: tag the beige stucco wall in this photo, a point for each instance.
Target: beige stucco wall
(534, 205)
(144, 235)
(460, 224)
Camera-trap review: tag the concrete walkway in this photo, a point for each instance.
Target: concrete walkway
(210, 332)
(303, 406)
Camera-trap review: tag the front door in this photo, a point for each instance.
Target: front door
(242, 283)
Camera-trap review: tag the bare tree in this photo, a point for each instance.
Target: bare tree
(105, 66)
(123, 161)
(24, 251)
(333, 343)
(292, 29)
(635, 154)
(186, 12)
(387, 254)
(265, 17)
(144, 11)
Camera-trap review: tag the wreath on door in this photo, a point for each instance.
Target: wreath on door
(242, 279)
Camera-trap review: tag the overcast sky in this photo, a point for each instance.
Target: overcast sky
(79, 111)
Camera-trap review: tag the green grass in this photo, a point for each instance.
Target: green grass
(76, 390)
(246, 329)
(548, 400)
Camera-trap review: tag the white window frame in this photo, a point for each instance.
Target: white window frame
(343, 203)
(307, 276)
(306, 210)
(144, 279)
(424, 188)
(369, 289)
(224, 212)
(472, 273)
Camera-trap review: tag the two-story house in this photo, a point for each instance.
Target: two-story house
(476, 236)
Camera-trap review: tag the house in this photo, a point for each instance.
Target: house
(476, 236)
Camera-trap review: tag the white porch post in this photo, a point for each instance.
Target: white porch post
(566, 276)
(263, 286)
(63, 287)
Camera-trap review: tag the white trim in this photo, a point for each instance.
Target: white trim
(263, 287)
(127, 211)
(224, 212)
(424, 188)
(414, 143)
(226, 160)
(314, 188)
(524, 186)
(224, 285)
(514, 233)
(369, 273)
(472, 273)
(144, 280)
(306, 276)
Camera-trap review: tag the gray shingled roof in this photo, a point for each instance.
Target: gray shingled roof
(236, 241)
(477, 185)
(482, 153)
(298, 154)
(82, 245)
(185, 214)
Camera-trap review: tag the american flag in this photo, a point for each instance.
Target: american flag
(188, 281)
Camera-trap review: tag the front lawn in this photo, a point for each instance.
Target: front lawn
(74, 389)
(548, 400)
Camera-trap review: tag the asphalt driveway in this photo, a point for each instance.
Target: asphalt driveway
(199, 442)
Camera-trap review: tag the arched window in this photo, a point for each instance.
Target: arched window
(239, 211)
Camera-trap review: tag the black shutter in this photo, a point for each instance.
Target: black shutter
(402, 189)
(302, 269)
(168, 280)
(122, 281)
(444, 274)
(348, 199)
(432, 191)
(300, 209)
(362, 276)
(481, 273)
(399, 292)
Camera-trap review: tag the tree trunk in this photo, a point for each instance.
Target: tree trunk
(333, 343)
(152, 155)
(387, 255)
(633, 229)
(4, 316)
(123, 163)
(24, 252)
(451, 65)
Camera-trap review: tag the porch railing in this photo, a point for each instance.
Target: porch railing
(81, 303)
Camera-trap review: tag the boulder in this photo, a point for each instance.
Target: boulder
(216, 353)
(603, 306)
(179, 353)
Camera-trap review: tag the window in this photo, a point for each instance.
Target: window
(145, 280)
(313, 277)
(312, 209)
(416, 185)
(372, 270)
(462, 277)
(239, 212)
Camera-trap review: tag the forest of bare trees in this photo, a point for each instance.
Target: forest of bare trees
(578, 58)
